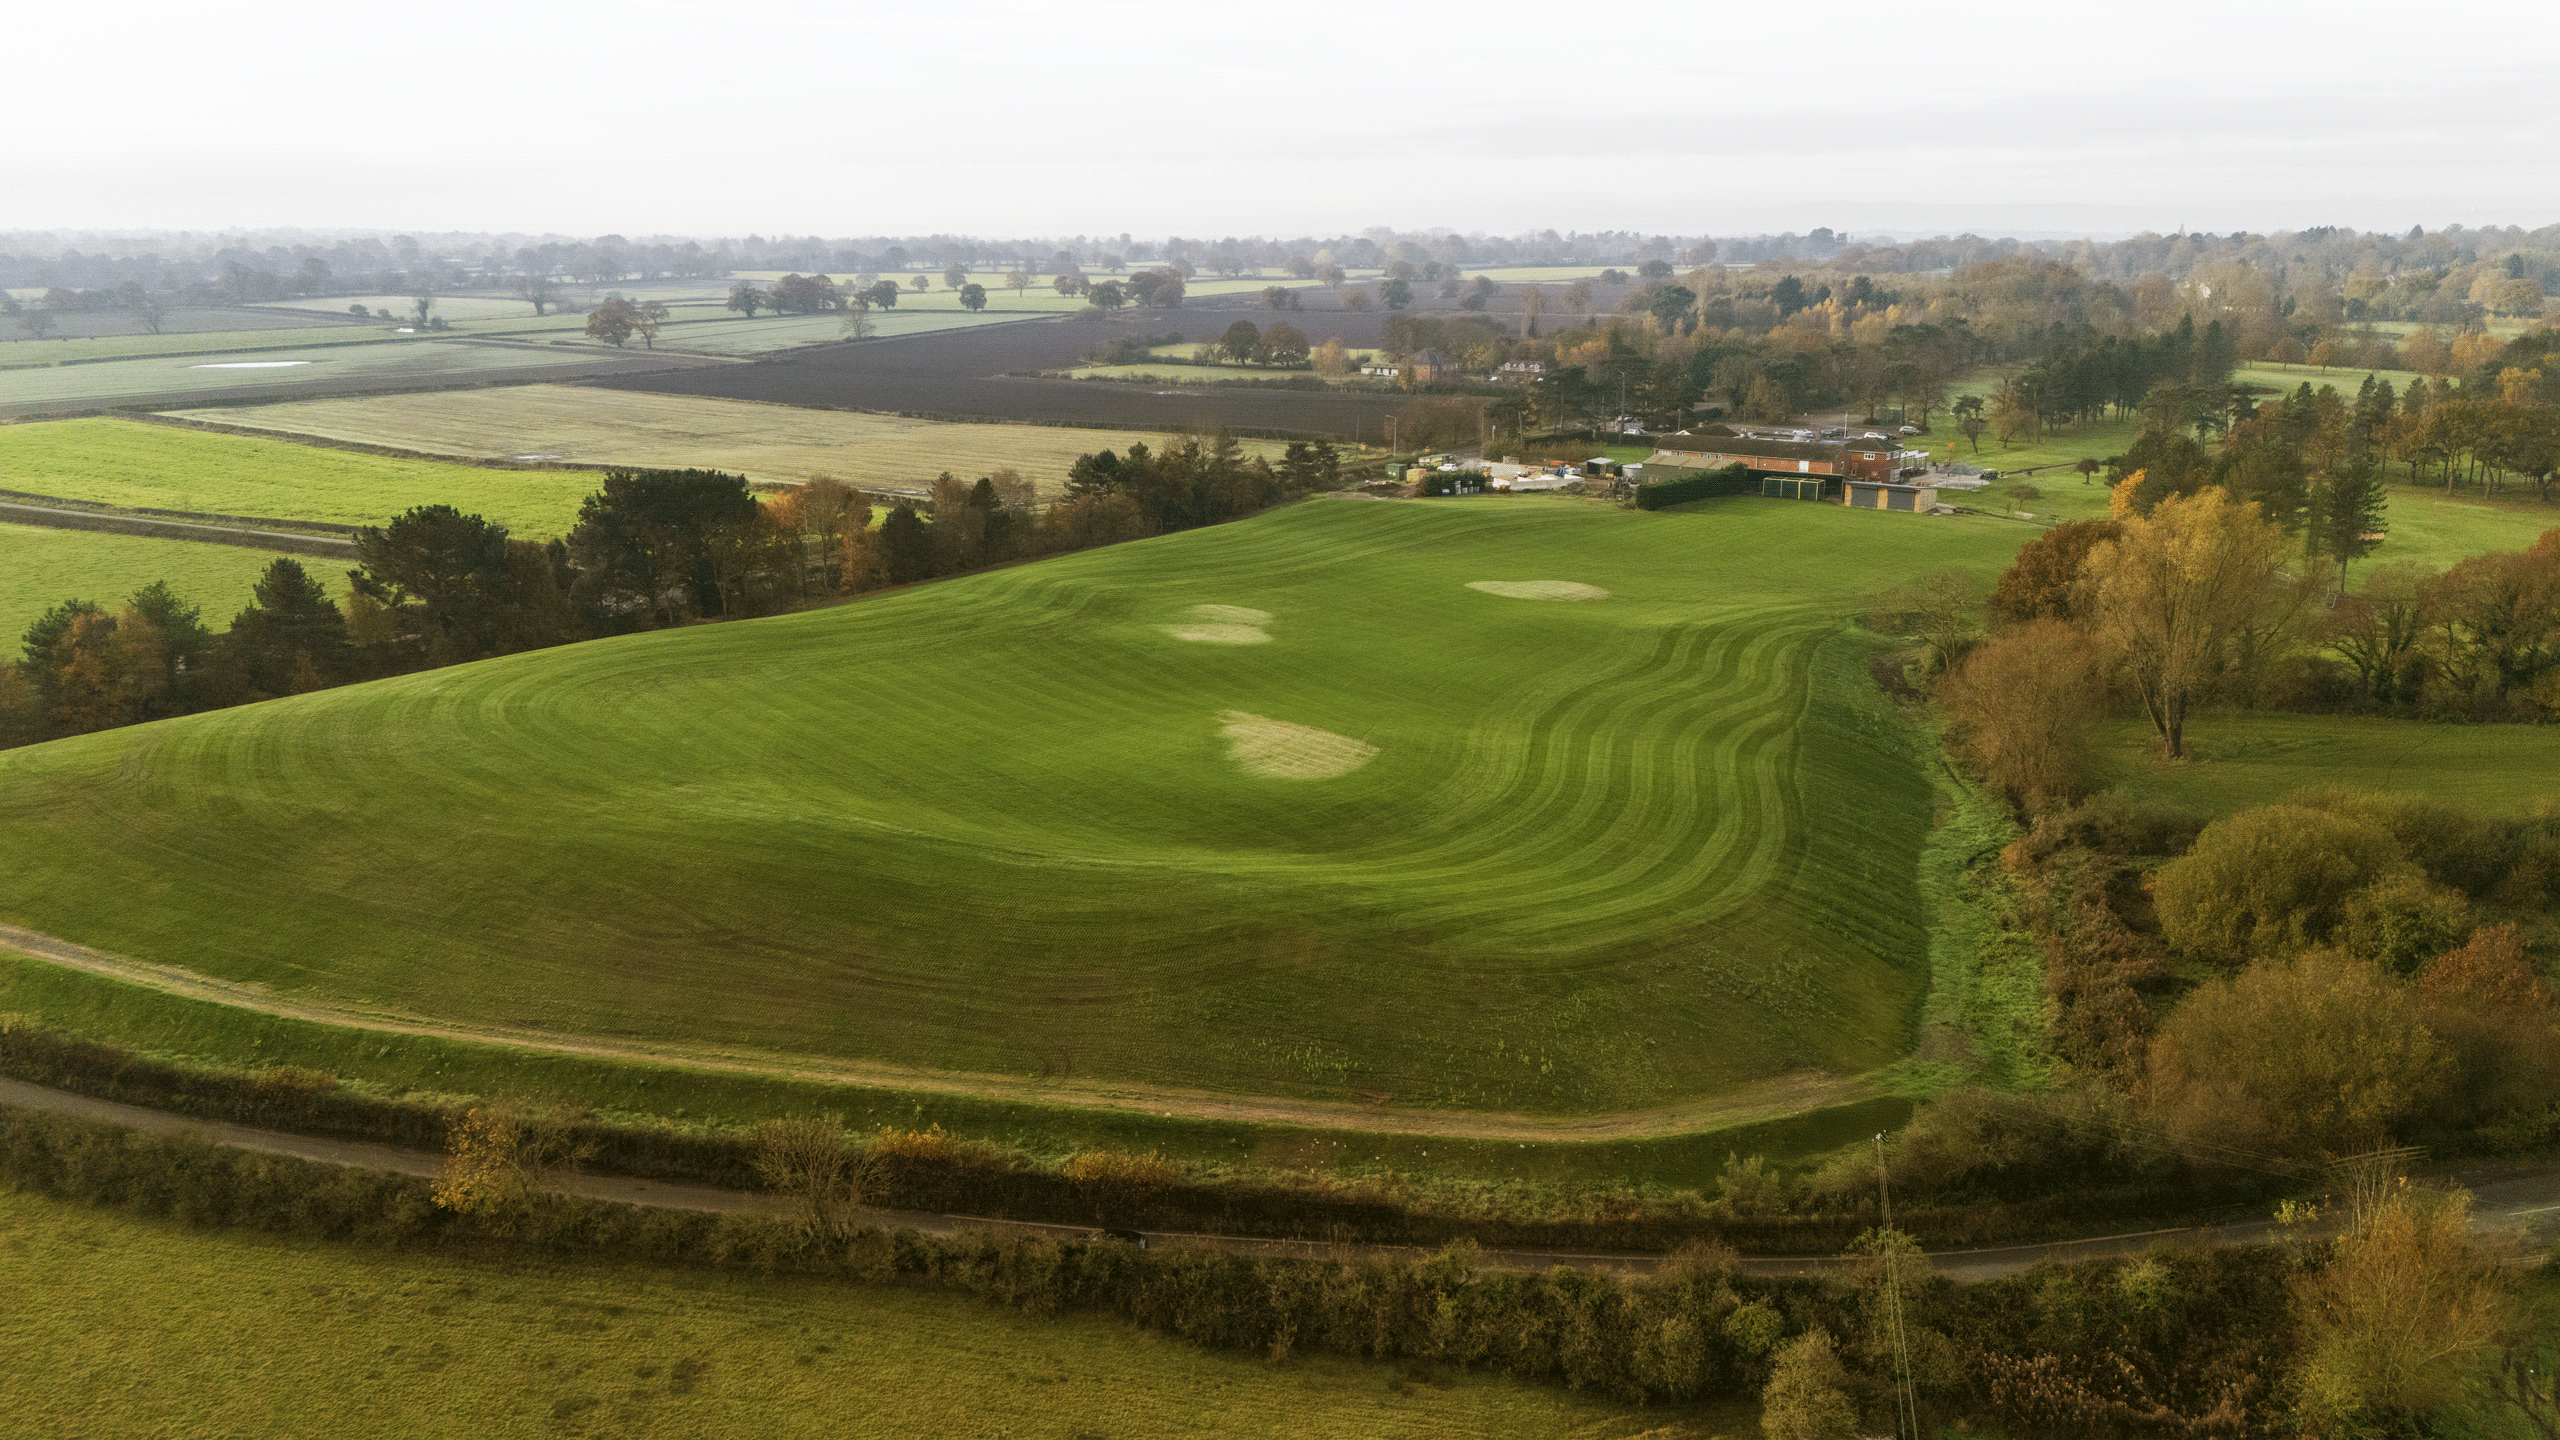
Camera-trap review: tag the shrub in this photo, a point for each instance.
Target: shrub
(2320, 1054)
(1118, 1180)
(2270, 880)
(2403, 920)
(1807, 1397)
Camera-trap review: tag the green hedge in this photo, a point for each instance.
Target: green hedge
(1688, 485)
(974, 1179)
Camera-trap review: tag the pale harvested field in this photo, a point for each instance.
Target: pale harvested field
(616, 427)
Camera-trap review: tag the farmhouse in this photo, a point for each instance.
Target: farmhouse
(1431, 366)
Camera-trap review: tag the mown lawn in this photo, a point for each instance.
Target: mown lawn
(1608, 854)
(42, 567)
(119, 1326)
(168, 467)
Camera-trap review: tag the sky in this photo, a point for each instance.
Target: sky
(1004, 118)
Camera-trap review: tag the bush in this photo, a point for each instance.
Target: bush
(2317, 1055)
(2403, 920)
(2271, 880)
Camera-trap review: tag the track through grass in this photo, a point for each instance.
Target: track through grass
(1611, 855)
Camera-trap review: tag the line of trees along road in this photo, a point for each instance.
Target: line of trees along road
(652, 548)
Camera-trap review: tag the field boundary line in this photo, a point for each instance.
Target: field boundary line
(102, 522)
(2499, 1220)
(1761, 1101)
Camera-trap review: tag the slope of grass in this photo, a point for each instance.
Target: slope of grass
(618, 427)
(27, 352)
(41, 567)
(164, 467)
(119, 1326)
(2256, 759)
(1609, 854)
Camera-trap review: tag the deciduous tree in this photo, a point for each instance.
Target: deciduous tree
(2185, 596)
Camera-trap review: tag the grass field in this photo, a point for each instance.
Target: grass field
(711, 330)
(616, 427)
(1608, 854)
(202, 344)
(2254, 759)
(423, 359)
(127, 1327)
(40, 568)
(166, 467)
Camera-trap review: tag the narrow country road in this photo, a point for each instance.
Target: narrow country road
(2520, 1210)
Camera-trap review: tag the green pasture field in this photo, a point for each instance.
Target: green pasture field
(711, 330)
(451, 307)
(422, 358)
(1608, 854)
(205, 344)
(133, 463)
(784, 443)
(2345, 379)
(2258, 758)
(41, 567)
(125, 1326)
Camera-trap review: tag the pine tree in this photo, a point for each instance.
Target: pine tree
(2347, 519)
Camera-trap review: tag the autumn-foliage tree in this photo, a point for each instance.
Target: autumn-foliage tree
(2019, 707)
(613, 321)
(2401, 1314)
(2045, 581)
(2189, 598)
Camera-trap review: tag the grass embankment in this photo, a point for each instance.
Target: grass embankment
(2242, 760)
(41, 567)
(763, 442)
(126, 1326)
(1520, 1177)
(134, 463)
(1610, 855)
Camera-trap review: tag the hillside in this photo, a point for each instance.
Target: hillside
(1074, 818)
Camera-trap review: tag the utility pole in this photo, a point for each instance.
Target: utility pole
(1906, 1400)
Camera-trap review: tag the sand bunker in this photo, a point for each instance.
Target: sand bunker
(1539, 589)
(1262, 746)
(1216, 634)
(1230, 615)
(1222, 625)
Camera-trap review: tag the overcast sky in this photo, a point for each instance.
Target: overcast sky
(1010, 118)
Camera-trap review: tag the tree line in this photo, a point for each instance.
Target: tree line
(651, 549)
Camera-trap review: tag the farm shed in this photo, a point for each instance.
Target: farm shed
(1796, 487)
(1885, 495)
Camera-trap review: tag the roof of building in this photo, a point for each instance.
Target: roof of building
(1685, 444)
(1433, 357)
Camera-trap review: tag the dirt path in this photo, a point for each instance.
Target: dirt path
(2519, 1209)
(1764, 1100)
